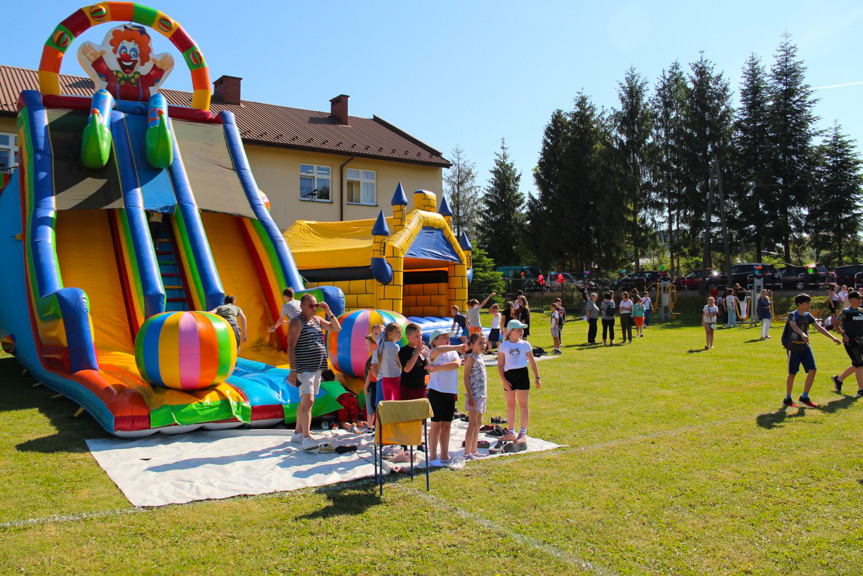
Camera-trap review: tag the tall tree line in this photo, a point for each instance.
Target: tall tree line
(682, 173)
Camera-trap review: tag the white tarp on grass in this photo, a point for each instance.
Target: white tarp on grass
(202, 465)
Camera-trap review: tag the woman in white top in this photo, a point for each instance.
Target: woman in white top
(513, 356)
(625, 307)
(494, 334)
(708, 320)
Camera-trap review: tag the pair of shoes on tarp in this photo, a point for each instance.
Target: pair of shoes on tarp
(509, 446)
(498, 420)
(480, 444)
(330, 448)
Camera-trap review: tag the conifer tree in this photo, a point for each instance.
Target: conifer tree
(501, 221)
(792, 127)
(462, 192)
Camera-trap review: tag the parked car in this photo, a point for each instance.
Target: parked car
(745, 272)
(692, 281)
(640, 280)
(527, 275)
(851, 275)
(804, 277)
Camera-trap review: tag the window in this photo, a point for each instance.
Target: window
(315, 183)
(361, 187)
(8, 149)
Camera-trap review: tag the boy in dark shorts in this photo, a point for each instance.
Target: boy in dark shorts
(799, 351)
(459, 320)
(849, 324)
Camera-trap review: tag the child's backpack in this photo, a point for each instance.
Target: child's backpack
(786, 334)
(538, 352)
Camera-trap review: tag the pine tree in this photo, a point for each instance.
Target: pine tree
(633, 125)
(669, 105)
(549, 179)
(462, 192)
(792, 127)
(708, 125)
(835, 220)
(752, 157)
(486, 278)
(501, 229)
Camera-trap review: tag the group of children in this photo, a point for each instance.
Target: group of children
(416, 371)
(847, 322)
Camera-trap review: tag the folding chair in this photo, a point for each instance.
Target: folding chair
(401, 422)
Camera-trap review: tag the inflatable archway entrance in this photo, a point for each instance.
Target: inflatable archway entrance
(85, 18)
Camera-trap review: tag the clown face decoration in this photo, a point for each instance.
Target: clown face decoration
(124, 64)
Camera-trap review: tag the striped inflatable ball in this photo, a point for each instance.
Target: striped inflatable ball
(347, 349)
(185, 350)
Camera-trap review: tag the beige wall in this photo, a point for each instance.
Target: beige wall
(277, 172)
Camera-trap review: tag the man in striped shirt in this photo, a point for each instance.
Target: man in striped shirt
(308, 357)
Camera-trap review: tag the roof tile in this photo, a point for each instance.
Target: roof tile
(266, 124)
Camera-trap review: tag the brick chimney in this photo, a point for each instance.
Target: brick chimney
(227, 89)
(339, 108)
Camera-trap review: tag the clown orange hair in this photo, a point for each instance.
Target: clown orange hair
(142, 40)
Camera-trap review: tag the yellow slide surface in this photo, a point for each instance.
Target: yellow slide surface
(85, 251)
(239, 278)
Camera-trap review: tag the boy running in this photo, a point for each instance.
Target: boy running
(850, 326)
(799, 351)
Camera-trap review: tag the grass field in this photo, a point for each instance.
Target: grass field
(678, 461)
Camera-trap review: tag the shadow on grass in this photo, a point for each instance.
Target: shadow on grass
(696, 350)
(19, 394)
(840, 404)
(349, 499)
(774, 419)
(752, 341)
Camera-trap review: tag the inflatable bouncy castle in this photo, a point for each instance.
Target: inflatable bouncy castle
(124, 215)
(411, 263)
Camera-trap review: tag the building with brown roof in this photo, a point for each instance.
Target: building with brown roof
(324, 166)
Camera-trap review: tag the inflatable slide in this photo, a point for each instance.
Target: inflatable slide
(123, 208)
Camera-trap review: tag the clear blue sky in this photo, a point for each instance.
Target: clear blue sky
(471, 73)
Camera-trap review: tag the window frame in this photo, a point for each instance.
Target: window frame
(360, 181)
(314, 176)
(13, 149)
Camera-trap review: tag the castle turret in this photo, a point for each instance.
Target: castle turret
(445, 211)
(400, 207)
(381, 270)
(425, 200)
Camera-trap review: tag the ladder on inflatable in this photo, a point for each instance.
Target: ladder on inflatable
(170, 267)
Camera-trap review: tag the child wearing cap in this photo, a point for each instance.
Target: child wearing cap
(442, 393)
(513, 357)
(799, 351)
(850, 325)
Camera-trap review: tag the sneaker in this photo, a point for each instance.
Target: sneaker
(808, 401)
(309, 444)
(508, 436)
(297, 438)
(789, 403)
(837, 384)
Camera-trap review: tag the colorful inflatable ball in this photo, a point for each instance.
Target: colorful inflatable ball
(185, 350)
(347, 348)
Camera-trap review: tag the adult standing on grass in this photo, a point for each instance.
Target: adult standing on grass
(850, 326)
(555, 329)
(607, 307)
(513, 357)
(833, 304)
(799, 350)
(731, 306)
(648, 305)
(626, 317)
(708, 320)
(764, 314)
(505, 316)
(308, 357)
(591, 314)
(524, 315)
